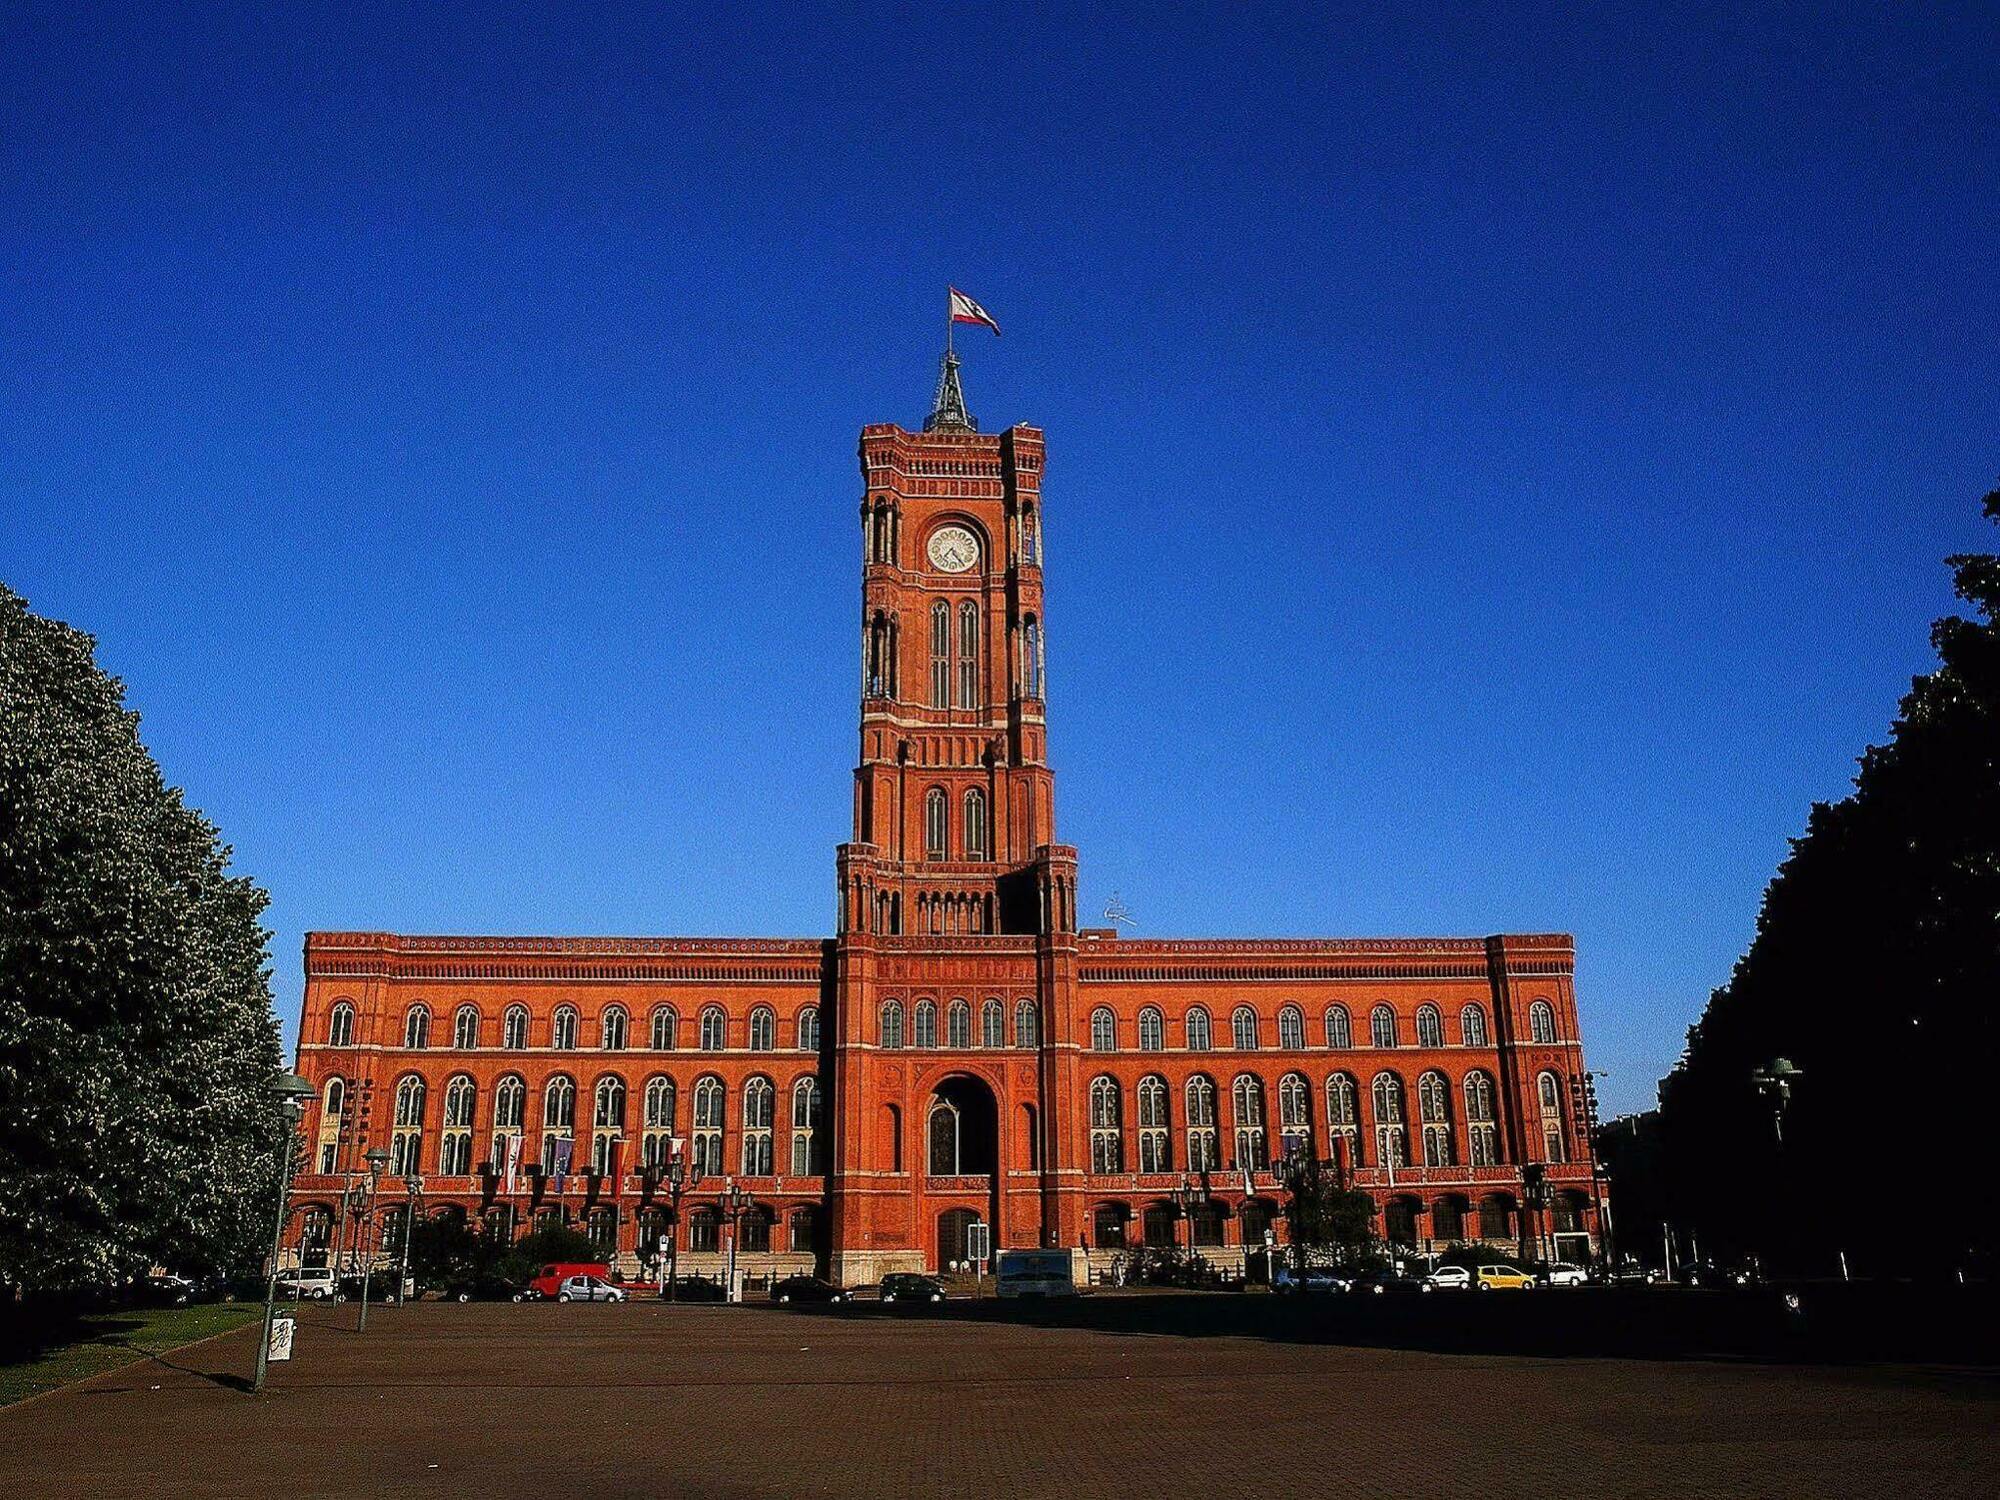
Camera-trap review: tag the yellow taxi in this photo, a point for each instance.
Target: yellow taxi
(1504, 1278)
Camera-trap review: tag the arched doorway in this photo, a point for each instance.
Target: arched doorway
(961, 1130)
(954, 1230)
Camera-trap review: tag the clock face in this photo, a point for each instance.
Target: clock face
(953, 549)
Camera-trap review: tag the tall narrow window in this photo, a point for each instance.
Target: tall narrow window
(892, 1023)
(1155, 1147)
(1541, 1022)
(1382, 1026)
(958, 1025)
(1482, 1134)
(514, 1028)
(925, 1028)
(1291, 1029)
(1472, 1026)
(1294, 1115)
(510, 1115)
(758, 1101)
(1434, 1111)
(1027, 1025)
(975, 823)
(665, 1024)
(1391, 1143)
(659, 1121)
(763, 1029)
(1339, 1033)
(558, 1124)
(993, 1024)
(809, 1029)
(1247, 1096)
(607, 1122)
(563, 1031)
(940, 655)
(714, 1029)
(935, 819)
(614, 1029)
(1243, 1029)
(1031, 658)
(805, 1128)
(1202, 1155)
(968, 655)
(1549, 1088)
(1430, 1026)
(1152, 1030)
(332, 1120)
(407, 1142)
(1031, 538)
(417, 1027)
(1197, 1030)
(465, 1028)
(708, 1127)
(455, 1146)
(1103, 1030)
(1107, 1138)
(1343, 1120)
(340, 1026)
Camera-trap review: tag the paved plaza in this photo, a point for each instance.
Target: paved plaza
(1160, 1396)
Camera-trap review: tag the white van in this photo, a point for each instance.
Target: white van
(1035, 1273)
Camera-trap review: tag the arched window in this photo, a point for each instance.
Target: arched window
(943, 1137)
(809, 1029)
(975, 823)
(1339, 1033)
(607, 1121)
(958, 1025)
(968, 655)
(1103, 1030)
(563, 1033)
(514, 1028)
(1247, 1096)
(1430, 1026)
(657, 1143)
(1472, 1026)
(1197, 1030)
(333, 1106)
(993, 1024)
(714, 1029)
(1291, 1029)
(1554, 1143)
(406, 1142)
(455, 1145)
(704, 1231)
(708, 1127)
(510, 1116)
(614, 1029)
(1107, 1136)
(1202, 1153)
(934, 823)
(1152, 1030)
(801, 1230)
(1031, 538)
(1031, 658)
(1434, 1111)
(1382, 1026)
(666, 1026)
(805, 1128)
(1155, 1146)
(465, 1030)
(1542, 1022)
(1027, 1024)
(1294, 1115)
(1482, 1135)
(1243, 1029)
(558, 1122)
(925, 1029)
(892, 1023)
(758, 1100)
(1391, 1140)
(340, 1026)
(1343, 1120)
(940, 655)
(417, 1027)
(763, 1029)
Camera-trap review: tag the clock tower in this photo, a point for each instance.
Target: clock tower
(955, 899)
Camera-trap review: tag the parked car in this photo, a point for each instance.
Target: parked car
(1451, 1279)
(588, 1289)
(1706, 1273)
(1381, 1283)
(548, 1281)
(313, 1283)
(809, 1289)
(1562, 1273)
(483, 1286)
(905, 1286)
(163, 1289)
(1311, 1279)
(698, 1289)
(1504, 1278)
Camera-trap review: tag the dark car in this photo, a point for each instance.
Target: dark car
(907, 1287)
(808, 1289)
(696, 1289)
(483, 1286)
(1381, 1283)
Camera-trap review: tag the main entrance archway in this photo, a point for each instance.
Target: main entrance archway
(961, 1162)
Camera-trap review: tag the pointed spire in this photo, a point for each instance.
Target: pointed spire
(948, 413)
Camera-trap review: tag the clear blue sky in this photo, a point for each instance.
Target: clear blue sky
(1498, 468)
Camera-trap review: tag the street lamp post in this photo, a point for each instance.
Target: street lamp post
(291, 1090)
(1775, 1084)
(377, 1160)
(735, 1203)
(415, 1185)
(678, 1182)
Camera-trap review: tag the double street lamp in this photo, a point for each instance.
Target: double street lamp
(291, 1091)
(735, 1204)
(415, 1184)
(377, 1160)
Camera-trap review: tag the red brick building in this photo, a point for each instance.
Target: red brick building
(959, 1050)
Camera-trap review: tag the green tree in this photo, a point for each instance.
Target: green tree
(137, 1043)
(1874, 968)
(1326, 1217)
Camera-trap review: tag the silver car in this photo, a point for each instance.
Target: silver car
(588, 1289)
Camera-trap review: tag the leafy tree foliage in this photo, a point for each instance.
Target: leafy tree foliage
(137, 1044)
(1875, 969)
(1325, 1215)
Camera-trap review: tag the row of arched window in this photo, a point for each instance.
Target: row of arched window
(547, 1135)
(973, 839)
(1246, 1028)
(613, 1029)
(1383, 1138)
(921, 1029)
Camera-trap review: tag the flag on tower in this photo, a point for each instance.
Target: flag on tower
(965, 310)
